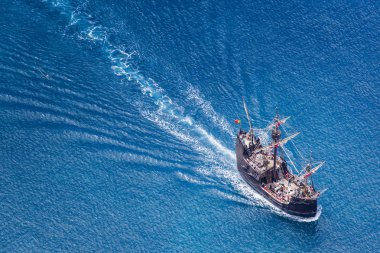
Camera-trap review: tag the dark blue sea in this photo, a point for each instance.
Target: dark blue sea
(117, 125)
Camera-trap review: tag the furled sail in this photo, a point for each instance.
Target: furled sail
(280, 143)
(278, 123)
(311, 172)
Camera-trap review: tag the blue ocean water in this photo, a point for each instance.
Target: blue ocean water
(117, 128)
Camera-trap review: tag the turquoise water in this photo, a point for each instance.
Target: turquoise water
(117, 129)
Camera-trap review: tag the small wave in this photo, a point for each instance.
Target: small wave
(134, 158)
(192, 180)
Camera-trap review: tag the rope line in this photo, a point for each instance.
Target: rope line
(299, 153)
(290, 159)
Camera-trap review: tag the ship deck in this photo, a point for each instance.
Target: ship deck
(282, 187)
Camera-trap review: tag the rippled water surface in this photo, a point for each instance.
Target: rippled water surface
(117, 128)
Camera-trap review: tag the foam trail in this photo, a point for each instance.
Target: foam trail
(121, 65)
(194, 95)
(216, 143)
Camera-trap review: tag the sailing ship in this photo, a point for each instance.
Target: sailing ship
(268, 173)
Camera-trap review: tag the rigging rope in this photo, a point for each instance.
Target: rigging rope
(299, 153)
(284, 149)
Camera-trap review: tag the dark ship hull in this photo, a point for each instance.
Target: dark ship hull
(295, 206)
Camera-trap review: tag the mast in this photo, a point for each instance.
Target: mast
(276, 134)
(249, 120)
(308, 169)
(311, 178)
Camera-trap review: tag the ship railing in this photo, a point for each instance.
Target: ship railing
(280, 198)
